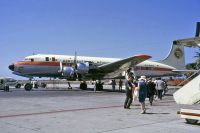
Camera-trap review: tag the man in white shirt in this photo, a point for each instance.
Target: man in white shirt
(160, 85)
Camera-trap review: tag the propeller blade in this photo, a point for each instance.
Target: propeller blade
(61, 67)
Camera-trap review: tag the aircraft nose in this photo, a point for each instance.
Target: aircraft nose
(11, 67)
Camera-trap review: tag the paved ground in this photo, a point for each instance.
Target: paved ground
(74, 111)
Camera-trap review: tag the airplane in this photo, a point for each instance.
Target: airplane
(72, 67)
(85, 67)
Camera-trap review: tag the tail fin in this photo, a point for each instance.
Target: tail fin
(176, 57)
(198, 30)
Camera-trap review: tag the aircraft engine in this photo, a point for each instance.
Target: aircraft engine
(82, 68)
(68, 71)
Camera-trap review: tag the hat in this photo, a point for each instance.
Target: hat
(142, 78)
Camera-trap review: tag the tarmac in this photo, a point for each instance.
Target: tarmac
(59, 110)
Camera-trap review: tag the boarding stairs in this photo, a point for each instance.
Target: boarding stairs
(189, 94)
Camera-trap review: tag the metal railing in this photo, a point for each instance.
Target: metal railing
(190, 77)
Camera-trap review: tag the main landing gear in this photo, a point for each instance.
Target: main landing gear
(83, 85)
(28, 86)
(98, 85)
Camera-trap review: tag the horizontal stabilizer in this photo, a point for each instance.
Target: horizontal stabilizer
(189, 42)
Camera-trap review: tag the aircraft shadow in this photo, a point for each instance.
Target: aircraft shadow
(197, 124)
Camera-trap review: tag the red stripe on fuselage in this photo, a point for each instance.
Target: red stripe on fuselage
(39, 63)
(152, 68)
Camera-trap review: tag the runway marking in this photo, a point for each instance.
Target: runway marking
(56, 111)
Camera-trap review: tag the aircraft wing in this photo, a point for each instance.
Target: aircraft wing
(124, 63)
(189, 42)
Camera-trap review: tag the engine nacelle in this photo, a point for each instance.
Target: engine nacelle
(68, 71)
(82, 68)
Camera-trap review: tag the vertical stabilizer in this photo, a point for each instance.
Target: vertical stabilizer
(198, 30)
(176, 57)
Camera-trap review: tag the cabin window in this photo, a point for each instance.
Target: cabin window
(64, 64)
(53, 59)
(47, 58)
(32, 59)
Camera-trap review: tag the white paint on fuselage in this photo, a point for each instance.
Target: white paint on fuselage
(70, 59)
(147, 67)
(154, 64)
(153, 68)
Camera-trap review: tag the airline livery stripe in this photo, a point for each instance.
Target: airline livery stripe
(143, 56)
(152, 69)
(38, 63)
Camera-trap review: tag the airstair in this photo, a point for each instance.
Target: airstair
(189, 94)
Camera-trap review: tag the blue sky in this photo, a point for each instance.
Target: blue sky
(107, 28)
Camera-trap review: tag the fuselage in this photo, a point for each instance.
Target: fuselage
(47, 65)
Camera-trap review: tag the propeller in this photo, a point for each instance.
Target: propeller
(61, 68)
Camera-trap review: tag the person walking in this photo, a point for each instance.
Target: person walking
(142, 87)
(129, 95)
(151, 90)
(120, 85)
(160, 85)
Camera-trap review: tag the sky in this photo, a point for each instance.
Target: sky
(105, 28)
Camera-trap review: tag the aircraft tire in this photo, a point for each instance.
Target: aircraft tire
(28, 87)
(191, 121)
(83, 86)
(99, 87)
(43, 85)
(18, 86)
(36, 86)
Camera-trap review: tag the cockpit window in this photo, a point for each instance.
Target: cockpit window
(29, 59)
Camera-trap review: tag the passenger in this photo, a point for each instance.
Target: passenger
(129, 95)
(160, 85)
(120, 85)
(151, 90)
(128, 71)
(113, 85)
(95, 85)
(142, 93)
(165, 87)
(69, 85)
(136, 91)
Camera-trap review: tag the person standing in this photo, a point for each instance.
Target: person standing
(128, 72)
(160, 85)
(142, 87)
(151, 90)
(113, 84)
(129, 95)
(120, 85)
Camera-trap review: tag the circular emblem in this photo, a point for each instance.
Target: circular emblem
(178, 53)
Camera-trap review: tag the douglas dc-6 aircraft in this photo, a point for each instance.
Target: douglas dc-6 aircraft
(84, 67)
